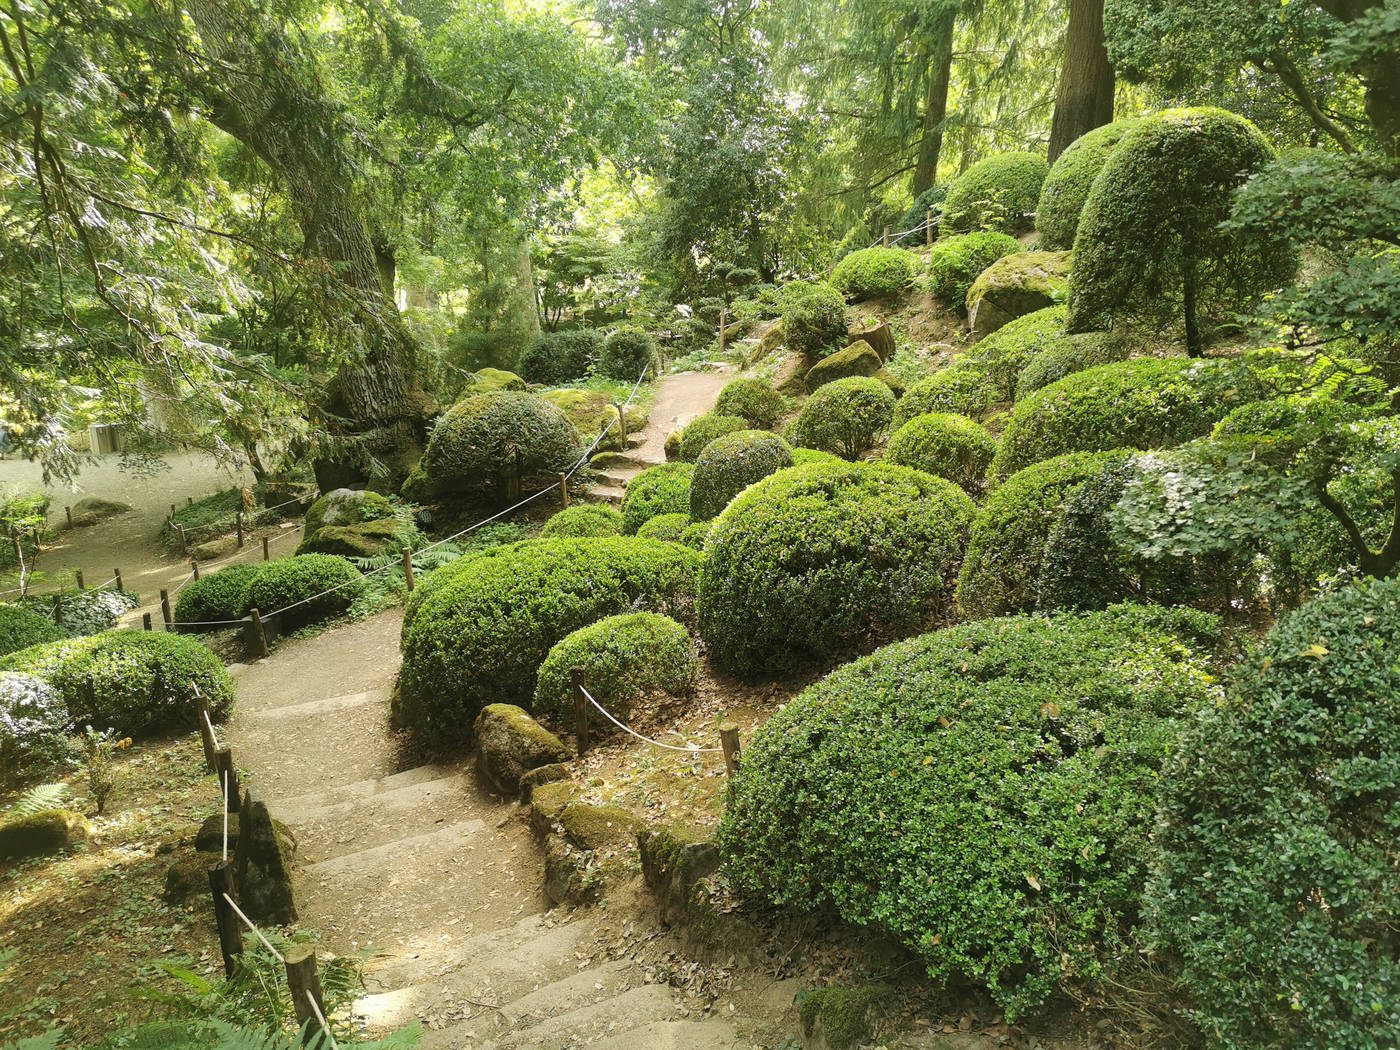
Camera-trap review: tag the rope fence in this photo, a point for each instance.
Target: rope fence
(691, 748)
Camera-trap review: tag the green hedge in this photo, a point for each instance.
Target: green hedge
(983, 795)
(955, 262)
(20, 628)
(669, 528)
(1070, 354)
(874, 272)
(218, 596)
(752, 400)
(731, 464)
(662, 489)
(816, 561)
(478, 635)
(557, 357)
(814, 318)
(997, 193)
(946, 446)
(696, 533)
(623, 658)
(625, 353)
(966, 389)
(295, 587)
(1066, 187)
(700, 431)
(1277, 880)
(583, 520)
(1008, 351)
(136, 682)
(846, 417)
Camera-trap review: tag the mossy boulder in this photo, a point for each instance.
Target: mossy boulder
(590, 411)
(593, 827)
(263, 866)
(367, 539)
(187, 878)
(858, 359)
(1014, 286)
(91, 509)
(838, 1018)
(674, 859)
(341, 507)
(509, 743)
(43, 834)
(547, 802)
(496, 379)
(533, 779)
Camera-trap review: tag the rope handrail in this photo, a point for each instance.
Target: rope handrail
(252, 926)
(669, 747)
(900, 236)
(320, 1018)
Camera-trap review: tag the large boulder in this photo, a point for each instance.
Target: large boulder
(1016, 285)
(858, 359)
(509, 743)
(92, 509)
(363, 540)
(42, 834)
(673, 861)
(487, 379)
(263, 866)
(342, 507)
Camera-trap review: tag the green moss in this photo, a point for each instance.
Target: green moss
(593, 827)
(488, 379)
(347, 507)
(874, 272)
(841, 1014)
(858, 359)
(365, 540)
(42, 834)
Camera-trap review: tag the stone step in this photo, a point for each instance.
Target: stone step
(626, 1012)
(333, 705)
(607, 494)
(294, 807)
(379, 860)
(710, 1034)
(541, 932)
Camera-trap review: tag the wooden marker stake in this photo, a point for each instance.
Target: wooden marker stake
(69, 512)
(194, 568)
(184, 545)
(885, 238)
(206, 732)
(240, 529)
(580, 712)
(118, 581)
(729, 742)
(928, 229)
(145, 621)
(230, 933)
(408, 566)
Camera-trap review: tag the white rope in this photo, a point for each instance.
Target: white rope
(900, 236)
(249, 923)
(321, 1018)
(649, 740)
(213, 737)
(225, 780)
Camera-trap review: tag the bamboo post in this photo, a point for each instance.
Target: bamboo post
(408, 566)
(69, 512)
(165, 609)
(622, 424)
(78, 576)
(239, 519)
(259, 634)
(206, 732)
(564, 491)
(305, 986)
(580, 712)
(928, 229)
(145, 621)
(184, 546)
(885, 238)
(266, 556)
(118, 574)
(729, 743)
(228, 775)
(230, 933)
(194, 568)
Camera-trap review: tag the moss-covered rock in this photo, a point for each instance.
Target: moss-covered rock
(91, 509)
(533, 779)
(547, 802)
(509, 743)
(590, 412)
(838, 1018)
(674, 859)
(1016, 285)
(42, 834)
(595, 827)
(368, 539)
(342, 507)
(187, 878)
(263, 866)
(858, 359)
(496, 379)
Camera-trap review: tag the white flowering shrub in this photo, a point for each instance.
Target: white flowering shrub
(33, 720)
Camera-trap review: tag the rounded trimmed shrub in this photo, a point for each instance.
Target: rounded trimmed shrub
(814, 318)
(1144, 403)
(955, 263)
(1066, 187)
(874, 272)
(479, 634)
(696, 533)
(917, 214)
(983, 794)
(668, 528)
(845, 417)
(1070, 354)
(297, 588)
(1007, 546)
(136, 682)
(662, 489)
(814, 562)
(1011, 348)
(731, 464)
(701, 430)
(1277, 880)
(20, 628)
(946, 446)
(623, 658)
(483, 437)
(963, 389)
(808, 457)
(583, 520)
(217, 597)
(998, 193)
(752, 400)
(625, 353)
(557, 357)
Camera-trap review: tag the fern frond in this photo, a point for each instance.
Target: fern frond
(48, 1041)
(38, 799)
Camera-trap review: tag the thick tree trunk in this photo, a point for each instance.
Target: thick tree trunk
(1383, 104)
(935, 104)
(1084, 100)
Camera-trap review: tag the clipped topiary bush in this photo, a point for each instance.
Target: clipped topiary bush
(557, 357)
(700, 431)
(219, 597)
(136, 682)
(1010, 349)
(982, 794)
(297, 588)
(623, 658)
(966, 389)
(625, 353)
(696, 533)
(847, 416)
(1066, 187)
(583, 520)
(668, 528)
(752, 400)
(814, 318)
(479, 633)
(808, 457)
(955, 263)
(1276, 880)
(662, 489)
(917, 215)
(998, 193)
(816, 561)
(731, 464)
(1144, 403)
(946, 446)
(20, 628)
(1070, 354)
(873, 272)
(1007, 546)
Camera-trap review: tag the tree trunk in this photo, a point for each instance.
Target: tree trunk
(1383, 104)
(935, 104)
(1188, 295)
(1084, 100)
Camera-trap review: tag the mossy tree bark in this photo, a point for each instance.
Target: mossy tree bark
(935, 108)
(1084, 100)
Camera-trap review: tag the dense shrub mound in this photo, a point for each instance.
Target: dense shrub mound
(946, 446)
(1277, 880)
(845, 417)
(731, 464)
(998, 193)
(983, 794)
(955, 263)
(669, 528)
(625, 353)
(874, 272)
(1007, 547)
(917, 214)
(814, 318)
(583, 520)
(752, 400)
(1008, 351)
(1070, 354)
(1145, 403)
(136, 682)
(696, 533)
(478, 635)
(1066, 187)
(34, 724)
(557, 357)
(20, 628)
(299, 585)
(623, 658)
(816, 561)
(966, 389)
(217, 597)
(662, 489)
(700, 431)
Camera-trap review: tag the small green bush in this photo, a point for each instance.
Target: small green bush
(558, 357)
(983, 794)
(966, 389)
(1011, 348)
(696, 533)
(295, 587)
(136, 682)
(20, 628)
(815, 561)
(731, 464)
(623, 658)
(625, 353)
(752, 400)
(1277, 880)
(1066, 187)
(668, 528)
(998, 193)
(478, 634)
(219, 597)
(874, 272)
(946, 446)
(814, 318)
(846, 417)
(955, 263)
(1007, 547)
(1070, 354)
(662, 489)
(700, 431)
(808, 457)
(917, 215)
(583, 520)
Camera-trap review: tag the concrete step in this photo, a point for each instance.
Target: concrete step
(542, 932)
(709, 1034)
(335, 705)
(632, 1009)
(291, 808)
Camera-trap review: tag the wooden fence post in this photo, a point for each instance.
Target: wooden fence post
(564, 491)
(928, 229)
(408, 566)
(723, 318)
(58, 608)
(118, 581)
(228, 775)
(622, 425)
(240, 529)
(580, 712)
(78, 576)
(171, 519)
(259, 635)
(184, 544)
(305, 986)
(194, 568)
(165, 609)
(230, 933)
(266, 555)
(729, 743)
(885, 238)
(145, 621)
(69, 512)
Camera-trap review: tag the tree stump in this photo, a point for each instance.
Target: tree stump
(877, 333)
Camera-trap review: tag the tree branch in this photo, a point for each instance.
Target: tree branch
(1286, 71)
